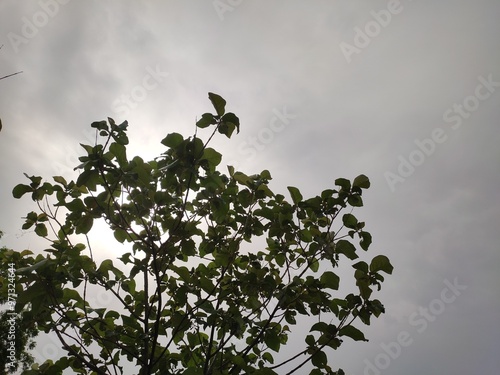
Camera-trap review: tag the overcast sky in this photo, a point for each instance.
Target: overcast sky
(406, 92)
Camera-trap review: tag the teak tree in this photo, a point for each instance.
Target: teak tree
(194, 291)
(16, 335)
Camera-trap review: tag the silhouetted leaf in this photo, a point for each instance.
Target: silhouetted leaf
(295, 193)
(361, 181)
(381, 263)
(218, 103)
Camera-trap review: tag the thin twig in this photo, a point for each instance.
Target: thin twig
(10, 75)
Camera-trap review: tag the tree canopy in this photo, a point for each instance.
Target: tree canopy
(215, 269)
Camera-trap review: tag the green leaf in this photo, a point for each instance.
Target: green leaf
(363, 283)
(71, 294)
(376, 307)
(331, 280)
(361, 181)
(84, 224)
(123, 126)
(314, 266)
(120, 152)
(183, 272)
(242, 178)
(131, 322)
(305, 235)
(218, 103)
(355, 200)
(30, 295)
(366, 240)
(128, 286)
(268, 357)
(76, 205)
(362, 266)
(349, 221)
(100, 125)
(20, 190)
(273, 341)
(172, 140)
(346, 248)
(60, 180)
(207, 285)
(310, 340)
(213, 157)
(89, 179)
(232, 121)
(120, 235)
(295, 193)
(353, 333)
(290, 316)
(206, 120)
(265, 175)
(381, 263)
(319, 359)
(226, 128)
(320, 327)
(343, 183)
(105, 266)
(41, 230)
(26, 270)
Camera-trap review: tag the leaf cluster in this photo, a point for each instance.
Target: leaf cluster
(195, 291)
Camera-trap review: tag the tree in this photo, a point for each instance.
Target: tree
(17, 331)
(24, 328)
(214, 270)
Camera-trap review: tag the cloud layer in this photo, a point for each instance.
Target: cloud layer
(401, 106)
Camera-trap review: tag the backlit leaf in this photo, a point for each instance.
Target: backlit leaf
(353, 333)
(172, 140)
(331, 280)
(20, 190)
(218, 103)
(346, 248)
(295, 193)
(361, 181)
(381, 263)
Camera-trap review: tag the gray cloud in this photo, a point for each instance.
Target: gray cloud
(351, 118)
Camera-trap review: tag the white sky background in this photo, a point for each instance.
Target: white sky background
(438, 222)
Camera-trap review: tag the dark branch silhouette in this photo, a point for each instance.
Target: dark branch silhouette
(9, 75)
